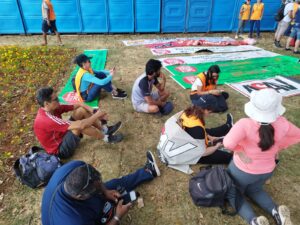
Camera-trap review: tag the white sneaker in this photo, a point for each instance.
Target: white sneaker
(261, 220)
(236, 37)
(282, 215)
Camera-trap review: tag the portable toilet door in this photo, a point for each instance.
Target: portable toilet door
(32, 15)
(198, 15)
(268, 22)
(120, 16)
(147, 16)
(94, 16)
(222, 15)
(68, 17)
(10, 18)
(173, 16)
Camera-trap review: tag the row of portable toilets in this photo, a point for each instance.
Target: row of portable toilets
(129, 16)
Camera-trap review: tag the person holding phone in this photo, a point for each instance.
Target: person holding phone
(243, 17)
(259, 139)
(88, 83)
(206, 84)
(77, 195)
(143, 98)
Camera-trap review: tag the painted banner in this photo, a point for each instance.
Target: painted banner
(285, 86)
(216, 57)
(166, 40)
(214, 49)
(238, 70)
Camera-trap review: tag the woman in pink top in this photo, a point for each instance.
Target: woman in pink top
(255, 142)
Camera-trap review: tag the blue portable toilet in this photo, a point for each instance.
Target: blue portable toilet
(10, 18)
(147, 16)
(32, 15)
(120, 16)
(68, 17)
(198, 15)
(94, 16)
(173, 16)
(268, 22)
(222, 15)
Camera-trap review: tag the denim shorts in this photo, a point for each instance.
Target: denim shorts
(295, 31)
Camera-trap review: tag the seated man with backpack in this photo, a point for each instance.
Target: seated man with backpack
(88, 82)
(77, 195)
(61, 137)
(143, 98)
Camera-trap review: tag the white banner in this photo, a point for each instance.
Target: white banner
(286, 87)
(162, 40)
(215, 49)
(216, 57)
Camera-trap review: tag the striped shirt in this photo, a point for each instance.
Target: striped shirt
(51, 128)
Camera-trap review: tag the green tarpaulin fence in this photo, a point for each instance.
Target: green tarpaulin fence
(68, 95)
(238, 70)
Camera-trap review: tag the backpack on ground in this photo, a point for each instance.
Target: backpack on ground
(167, 108)
(36, 167)
(280, 13)
(210, 186)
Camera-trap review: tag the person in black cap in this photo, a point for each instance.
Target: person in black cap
(192, 121)
(77, 195)
(88, 82)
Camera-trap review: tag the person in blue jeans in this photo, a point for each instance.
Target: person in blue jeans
(255, 18)
(76, 195)
(88, 83)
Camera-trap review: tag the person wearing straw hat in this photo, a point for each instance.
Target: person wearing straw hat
(255, 142)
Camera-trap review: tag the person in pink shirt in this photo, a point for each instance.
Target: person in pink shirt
(255, 142)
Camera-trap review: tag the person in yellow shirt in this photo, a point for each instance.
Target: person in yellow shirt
(256, 16)
(49, 21)
(243, 17)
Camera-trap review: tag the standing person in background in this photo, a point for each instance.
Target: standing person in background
(243, 17)
(255, 142)
(284, 23)
(49, 21)
(295, 32)
(256, 16)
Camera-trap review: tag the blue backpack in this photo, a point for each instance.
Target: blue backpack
(36, 167)
(167, 108)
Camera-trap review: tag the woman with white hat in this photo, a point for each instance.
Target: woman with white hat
(255, 142)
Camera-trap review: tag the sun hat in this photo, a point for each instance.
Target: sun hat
(264, 106)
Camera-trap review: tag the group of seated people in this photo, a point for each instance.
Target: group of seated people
(76, 193)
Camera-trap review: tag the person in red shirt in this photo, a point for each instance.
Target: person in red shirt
(61, 137)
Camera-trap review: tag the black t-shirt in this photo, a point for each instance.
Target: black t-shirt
(146, 85)
(196, 132)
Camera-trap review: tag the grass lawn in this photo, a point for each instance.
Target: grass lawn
(167, 201)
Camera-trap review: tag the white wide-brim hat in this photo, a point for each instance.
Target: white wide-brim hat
(264, 106)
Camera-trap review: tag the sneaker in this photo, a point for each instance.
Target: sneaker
(287, 49)
(114, 128)
(112, 139)
(229, 120)
(120, 91)
(277, 44)
(261, 220)
(236, 37)
(151, 165)
(119, 95)
(296, 52)
(282, 215)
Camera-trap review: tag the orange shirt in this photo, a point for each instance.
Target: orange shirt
(257, 11)
(245, 12)
(51, 10)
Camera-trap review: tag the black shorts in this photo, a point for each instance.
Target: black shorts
(68, 145)
(46, 27)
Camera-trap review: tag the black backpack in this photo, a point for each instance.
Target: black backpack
(36, 167)
(210, 186)
(280, 13)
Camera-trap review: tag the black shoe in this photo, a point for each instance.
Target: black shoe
(277, 44)
(119, 90)
(229, 120)
(296, 52)
(282, 215)
(112, 139)
(287, 49)
(114, 128)
(119, 95)
(151, 165)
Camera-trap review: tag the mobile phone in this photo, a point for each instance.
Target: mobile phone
(218, 140)
(129, 197)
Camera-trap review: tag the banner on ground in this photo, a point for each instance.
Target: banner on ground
(285, 86)
(238, 70)
(216, 57)
(214, 49)
(166, 40)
